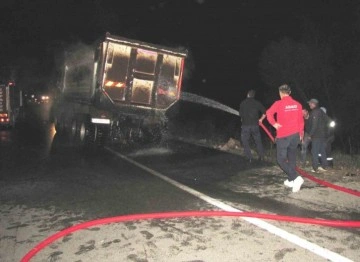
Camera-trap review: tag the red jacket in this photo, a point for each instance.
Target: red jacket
(289, 115)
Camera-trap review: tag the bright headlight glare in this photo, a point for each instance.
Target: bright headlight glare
(332, 124)
(100, 121)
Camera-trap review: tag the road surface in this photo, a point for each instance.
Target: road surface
(46, 186)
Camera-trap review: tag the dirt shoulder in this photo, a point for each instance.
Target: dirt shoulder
(345, 170)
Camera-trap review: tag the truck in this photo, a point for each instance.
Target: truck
(118, 92)
(11, 101)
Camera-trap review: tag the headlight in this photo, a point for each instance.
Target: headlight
(332, 124)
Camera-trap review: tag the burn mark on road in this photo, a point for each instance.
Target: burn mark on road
(90, 245)
(135, 258)
(106, 244)
(67, 238)
(55, 256)
(130, 225)
(94, 229)
(281, 253)
(17, 225)
(147, 234)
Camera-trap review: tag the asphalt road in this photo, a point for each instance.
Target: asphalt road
(46, 186)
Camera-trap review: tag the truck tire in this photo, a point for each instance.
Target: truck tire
(92, 137)
(73, 131)
(85, 132)
(81, 132)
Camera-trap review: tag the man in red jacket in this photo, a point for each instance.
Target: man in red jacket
(289, 125)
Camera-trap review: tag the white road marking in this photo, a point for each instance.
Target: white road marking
(316, 249)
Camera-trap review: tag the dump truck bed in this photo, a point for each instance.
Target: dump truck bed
(128, 73)
(147, 46)
(140, 74)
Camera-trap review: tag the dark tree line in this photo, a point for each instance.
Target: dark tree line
(324, 63)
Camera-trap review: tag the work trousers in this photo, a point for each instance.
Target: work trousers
(246, 133)
(286, 150)
(304, 147)
(318, 149)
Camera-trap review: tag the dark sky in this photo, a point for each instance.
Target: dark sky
(224, 40)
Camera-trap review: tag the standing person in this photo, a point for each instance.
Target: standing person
(306, 140)
(289, 125)
(318, 133)
(250, 111)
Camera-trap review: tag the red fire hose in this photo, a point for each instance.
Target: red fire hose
(322, 222)
(67, 231)
(310, 177)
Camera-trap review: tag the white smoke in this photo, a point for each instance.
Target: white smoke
(79, 54)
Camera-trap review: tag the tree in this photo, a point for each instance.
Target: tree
(310, 67)
(287, 61)
(348, 117)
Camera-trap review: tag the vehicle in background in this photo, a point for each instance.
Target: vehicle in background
(119, 93)
(11, 102)
(33, 98)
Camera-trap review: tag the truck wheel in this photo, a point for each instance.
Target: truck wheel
(73, 131)
(86, 138)
(85, 132)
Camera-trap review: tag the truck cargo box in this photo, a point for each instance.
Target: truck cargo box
(130, 73)
(121, 88)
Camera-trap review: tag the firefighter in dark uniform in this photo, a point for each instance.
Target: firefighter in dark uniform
(306, 140)
(250, 112)
(318, 134)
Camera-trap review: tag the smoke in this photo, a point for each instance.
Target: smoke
(77, 60)
(189, 66)
(79, 54)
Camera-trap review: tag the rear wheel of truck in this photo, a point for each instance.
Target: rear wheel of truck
(86, 132)
(83, 132)
(73, 131)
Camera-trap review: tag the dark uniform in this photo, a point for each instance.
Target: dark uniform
(318, 135)
(306, 140)
(250, 111)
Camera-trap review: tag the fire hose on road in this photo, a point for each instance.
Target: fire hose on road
(168, 215)
(312, 178)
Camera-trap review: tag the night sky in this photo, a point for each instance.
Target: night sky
(224, 40)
